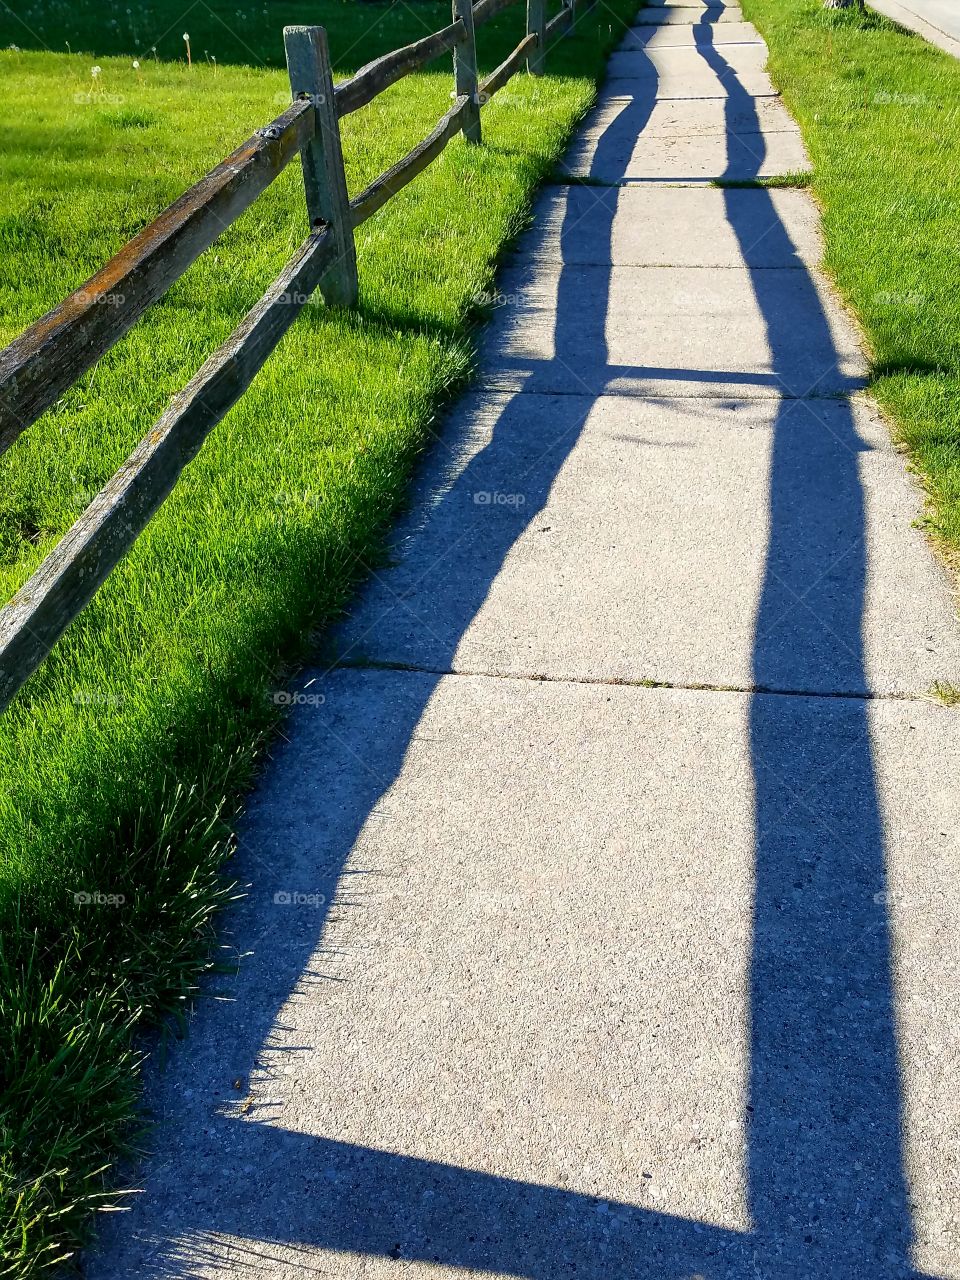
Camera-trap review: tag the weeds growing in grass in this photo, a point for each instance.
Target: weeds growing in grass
(123, 760)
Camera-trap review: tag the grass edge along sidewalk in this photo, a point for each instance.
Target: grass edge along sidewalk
(123, 768)
(879, 110)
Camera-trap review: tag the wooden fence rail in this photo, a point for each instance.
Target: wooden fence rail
(45, 360)
(37, 367)
(376, 76)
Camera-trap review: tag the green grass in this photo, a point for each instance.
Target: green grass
(880, 113)
(779, 182)
(237, 32)
(123, 760)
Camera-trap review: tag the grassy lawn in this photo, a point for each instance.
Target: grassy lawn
(880, 113)
(122, 761)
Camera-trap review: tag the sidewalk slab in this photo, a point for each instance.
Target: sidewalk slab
(672, 331)
(698, 159)
(615, 143)
(659, 9)
(686, 73)
(672, 227)
(674, 36)
(686, 15)
(617, 539)
(527, 1036)
(619, 127)
(935, 20)
(687, 118)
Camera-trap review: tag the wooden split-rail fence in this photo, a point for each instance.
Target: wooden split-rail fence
(53, 353)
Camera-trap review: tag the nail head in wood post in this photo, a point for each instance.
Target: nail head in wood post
(324, 180)
(465, 69)
(537, 25)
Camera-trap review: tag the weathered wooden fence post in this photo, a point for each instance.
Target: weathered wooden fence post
(465, 69)
(537, 25)
(324, 180)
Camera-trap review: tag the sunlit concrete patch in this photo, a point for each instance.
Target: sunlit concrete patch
(628, 539)
(669, 226)
(669, 331)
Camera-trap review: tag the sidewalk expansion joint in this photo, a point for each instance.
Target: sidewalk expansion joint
(677, 184)
(412, 668)
(745, 391)
(546, 259)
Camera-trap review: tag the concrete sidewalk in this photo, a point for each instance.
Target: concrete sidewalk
(603, 918)
(936, 20)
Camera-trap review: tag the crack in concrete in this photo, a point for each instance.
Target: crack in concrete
(412, 668)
